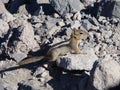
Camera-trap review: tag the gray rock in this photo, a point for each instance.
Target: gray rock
(22, 42)
(10, 82)
(4, 27)
(1, 85)
(5, 1)
(75, 24)
(68, 16)
(116, 10)
(7, 17)
(56, 15)
(101, 18)
(88, 2)
(42, 1)
(105, 74)
(88, 25)
(4, 14)
(2, 7)
(107, 34)
(50, 22)
(54, 30)
(61, 23)
(67, 6)
(83, 61)
(51, 26)
(19, 56)
(77, 16)
(36, 19)
(22, 10)
(34, 84)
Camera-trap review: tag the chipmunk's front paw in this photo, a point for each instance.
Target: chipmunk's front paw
(82, 52)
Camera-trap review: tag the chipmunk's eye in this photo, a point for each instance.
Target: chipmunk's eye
(81, 33)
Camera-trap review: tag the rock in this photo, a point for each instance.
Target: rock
(56, 40)
(107, 34)
(2, 7)
(5, 1)
(7, 17)
(105, 74)
(77, 16)
(75, 24)
(40, 71)
(19, 56)
(112, 7)
(78, 61)
(61, 23)
(88, 3)
(1, 86)
(116, 10)
(56, 15)
(22, 42)
(22, 10)
(54, 30)
(66, 6)
(4, 64)
(36, 19)
(4, 28)
(50, 22)
(101, 18)
(42, 1)
(88, 25)
(7, 77)
(68, 16)
(68, 32)
(34, 84)
(4, 14)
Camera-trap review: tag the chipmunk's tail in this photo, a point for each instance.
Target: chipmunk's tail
(31, 60)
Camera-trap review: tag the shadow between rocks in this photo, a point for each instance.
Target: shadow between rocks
(31, 6)
(115, 88)
(66, 79)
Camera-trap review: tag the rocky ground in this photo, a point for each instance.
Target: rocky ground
(30, 27)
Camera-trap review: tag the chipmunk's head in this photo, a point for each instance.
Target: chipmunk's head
(79, 34)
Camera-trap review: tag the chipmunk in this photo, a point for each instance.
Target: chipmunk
(58, 49)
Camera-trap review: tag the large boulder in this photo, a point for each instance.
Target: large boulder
(105, 75)
(83, 61)
(67, 6)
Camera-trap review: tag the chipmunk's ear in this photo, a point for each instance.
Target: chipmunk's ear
(74, 31)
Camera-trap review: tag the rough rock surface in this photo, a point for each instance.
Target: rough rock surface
(4, 14)
(4, 28)
(81, 61)
(25, 35)
(12, 78)
(106, 74)
(67, 6)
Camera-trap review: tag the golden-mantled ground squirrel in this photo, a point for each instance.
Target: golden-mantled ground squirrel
(61, 48)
